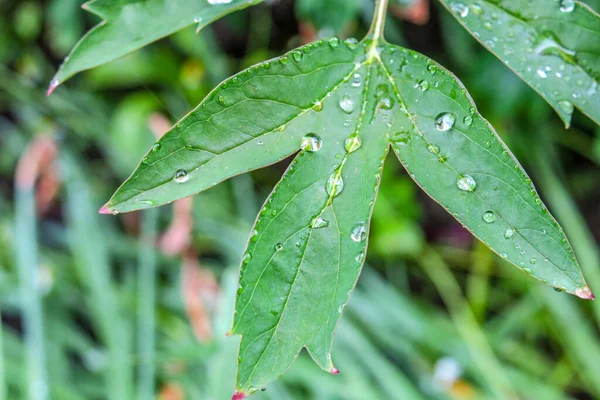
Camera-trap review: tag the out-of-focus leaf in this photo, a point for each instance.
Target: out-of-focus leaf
(554, 46)
(128, 25)
(331, 15)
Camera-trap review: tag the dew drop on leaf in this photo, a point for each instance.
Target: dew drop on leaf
(359, 232)
(509, 233)
(528, 271)
(432, 148)
(468, 120)
(334, 42)
(567, 6)
(401, 138)
(278, 247)
(311, 142)
(460, 9)
(445, 121)
(566, 106)
(181, 176)
(423, 85)
(156, 147)
(319, 222)
(318, 106)
(541, 73)
(297, 55)
(359, 257)
(532, 261)
(346, 104)
(477, 9)
(352, 144)
(489, 217)
(466, 183)
(247, 258)
(351, 43)
(335, 184)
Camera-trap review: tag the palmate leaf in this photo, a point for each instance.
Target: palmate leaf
(553, 45)
(129, 25)
(340, 107)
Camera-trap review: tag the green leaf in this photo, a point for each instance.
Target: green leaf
(342, 105)
(554, 46)
(129, 25)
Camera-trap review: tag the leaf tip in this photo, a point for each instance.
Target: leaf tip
(585, 293)
(334, 371)
(104, 210)
(237, 395)
(53, 85)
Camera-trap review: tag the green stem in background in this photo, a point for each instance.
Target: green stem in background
(466, 325)
(146, 305)
(3, 390)
(26, 257)
(378, 24)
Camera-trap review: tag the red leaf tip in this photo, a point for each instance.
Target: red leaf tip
(334, 371)
(53, 85)
(104, 210)
(585, 293)
(237, 395)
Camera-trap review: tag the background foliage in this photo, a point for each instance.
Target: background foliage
(435, 315)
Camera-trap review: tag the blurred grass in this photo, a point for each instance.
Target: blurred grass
(435, 315)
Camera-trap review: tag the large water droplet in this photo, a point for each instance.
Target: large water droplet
(351, 43)
(346, 104)
(466, 183)
(335, 184)
(445, 121)
(489, 217)
(359, 232)
(297, 55)
(311, 142)
(567, 6)
(181, 176)
(460, 9)
(334, 42)
(549, 45)
(353, 143)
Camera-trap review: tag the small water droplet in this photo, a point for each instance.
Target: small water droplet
(509, 233)
(489, 217)
(156, 147)
(432, 148)
(311, 142)
(566, 106)
(284, 60)
(477, 9)
(444, 121)
(351, 43)
(181, 176)
(468, 120)
(466, 183)
(317, 106)
(346, 104)
(297, 55)
(423, 85)
(247, 258)
(528, 271)
(460, 9)
(532, 261)
(319, 222)
(335, 184)
(334, 42)
(503, 255)
(401, 138)
(360, 257)
(353, 143)
(278, 247)
(541, 73)
(359, 232)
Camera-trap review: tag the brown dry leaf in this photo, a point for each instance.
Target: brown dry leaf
(417, 14)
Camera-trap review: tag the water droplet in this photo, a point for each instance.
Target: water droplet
(509, 233)
(466, 183)
(567, 6)
(401, 138)
(432, 148)
(317, 106)
(311, 142)
(297, 55)
(346, 104)
(541, 73)
(351, 43)
(278, 247)
(156, 147)
(360, 257)
(445, 121)
(460, 9)
(284, 60)
(246, 259)
(319, 222)
(528, 271)
(181, 176)
(334, 42)
(221, 99)
(359, 232)
(503, 255)
(468, 120)
(353, 143)
(489, 216)
(566, 106)
(356, 82)
(335, 184)
(532, 261)
(423, 85)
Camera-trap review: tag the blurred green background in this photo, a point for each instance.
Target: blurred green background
(138, 305)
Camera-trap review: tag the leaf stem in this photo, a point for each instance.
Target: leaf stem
(378, 24)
